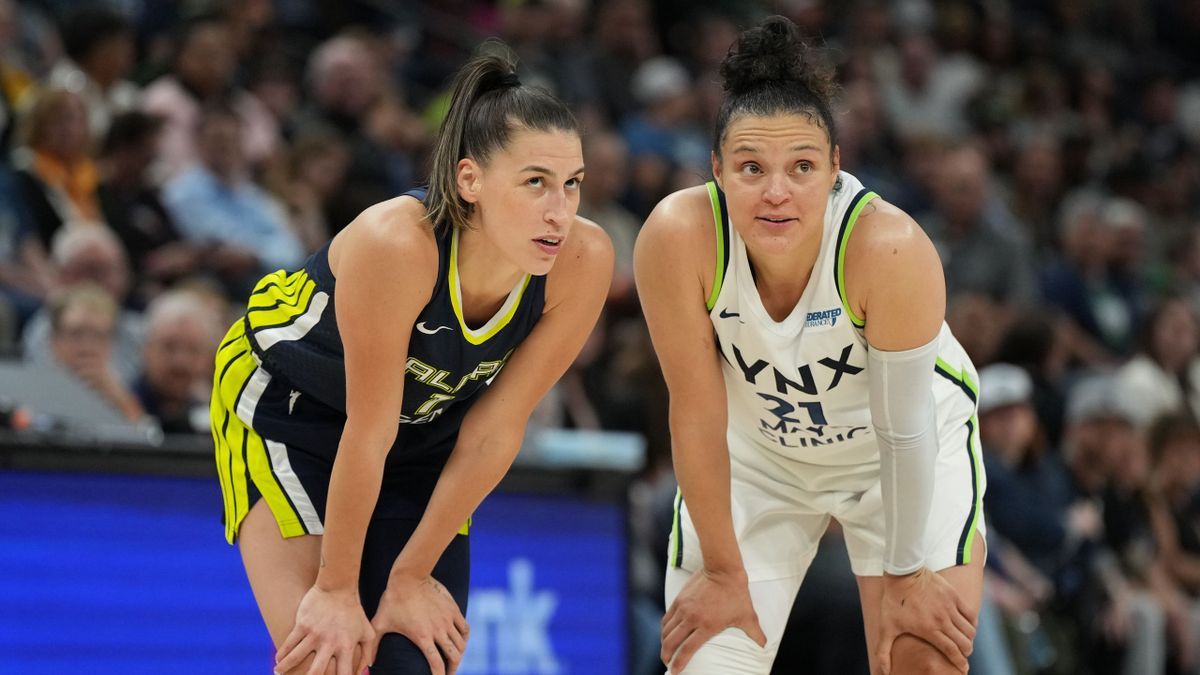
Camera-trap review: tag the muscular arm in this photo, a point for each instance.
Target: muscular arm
(896, 278)
(670, 261)
(492, 431)
(370, 290)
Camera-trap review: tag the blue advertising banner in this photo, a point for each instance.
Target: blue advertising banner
(130, 574)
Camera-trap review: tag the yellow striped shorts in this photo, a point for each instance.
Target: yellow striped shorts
(248, 465)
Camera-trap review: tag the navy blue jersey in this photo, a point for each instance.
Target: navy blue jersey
(291, 323)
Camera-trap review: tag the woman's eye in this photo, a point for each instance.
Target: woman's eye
(572, 183)
(751, 169)
(536, 181)
(804, 166)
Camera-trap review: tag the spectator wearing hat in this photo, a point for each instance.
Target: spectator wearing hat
(1118, 611)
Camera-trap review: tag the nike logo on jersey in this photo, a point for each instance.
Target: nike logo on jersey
(292, 398)
(726, 314)
(430, 331)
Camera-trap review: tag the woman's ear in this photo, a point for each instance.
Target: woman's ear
(469, 180)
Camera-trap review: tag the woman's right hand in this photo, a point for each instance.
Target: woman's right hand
(709, 603)
(332, 625)
(422, 610)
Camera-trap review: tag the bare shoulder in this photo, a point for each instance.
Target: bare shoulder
(584, 265)
(683, 214)
(884, 229)
(396, 228)
(678, 245)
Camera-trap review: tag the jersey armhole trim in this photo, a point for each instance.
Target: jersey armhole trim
(968, 386)
(718, 208)
(860, 200)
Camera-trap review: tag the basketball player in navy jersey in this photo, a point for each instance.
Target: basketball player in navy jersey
(366, 403)
(812, 376)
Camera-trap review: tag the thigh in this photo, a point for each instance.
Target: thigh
(967, 579)
(280, 570)
(385, 539)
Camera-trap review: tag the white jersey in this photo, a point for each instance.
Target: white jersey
(797, 388)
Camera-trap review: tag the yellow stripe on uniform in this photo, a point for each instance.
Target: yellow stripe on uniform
(285, 513)
(234, 367)
(288, 308)
(274, 285)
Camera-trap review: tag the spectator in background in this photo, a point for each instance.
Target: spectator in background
(981, 249)
(202, 75)
(181, 336)
(1113, 609)
(1179, 271)
(1081, 283)
(1128, 225)
(90, 255)
(214, 203)
(623, 36)
(1174, 442)
(607, 160)
(1174, 447)
(26, 275)
(83, 321)
(1164, 376)
(99, 43)
(924, 93)
(345, 83)
(1036, 189)
(55, 171)
(663, 136)
(306, 179)
(16, 82)
(1037, 343)
(133, 209)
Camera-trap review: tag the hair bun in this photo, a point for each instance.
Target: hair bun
(772, 53)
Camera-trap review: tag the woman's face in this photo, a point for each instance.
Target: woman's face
(776, 172)
(1176, 336)
(526, 196)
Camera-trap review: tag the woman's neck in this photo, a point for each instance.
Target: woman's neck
(782, 278)
(485, 278)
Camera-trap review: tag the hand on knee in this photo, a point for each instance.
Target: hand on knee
(914, 656)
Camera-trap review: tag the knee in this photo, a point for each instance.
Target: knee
(914, 656)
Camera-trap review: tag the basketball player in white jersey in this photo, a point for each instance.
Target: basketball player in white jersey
(798, 318)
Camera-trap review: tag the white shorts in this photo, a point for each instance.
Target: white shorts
(781, 507)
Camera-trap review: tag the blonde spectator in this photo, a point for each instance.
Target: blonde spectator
(55, 173)
(83, 320)
(85, 254)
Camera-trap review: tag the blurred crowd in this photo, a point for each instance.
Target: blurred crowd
(157, 157)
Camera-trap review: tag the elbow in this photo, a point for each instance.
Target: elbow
(496, 441)
(371, 437)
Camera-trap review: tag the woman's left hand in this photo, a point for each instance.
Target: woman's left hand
(925, 605)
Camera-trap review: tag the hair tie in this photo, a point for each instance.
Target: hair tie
(509, 80)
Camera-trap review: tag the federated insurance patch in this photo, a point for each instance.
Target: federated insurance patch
(823, 318)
